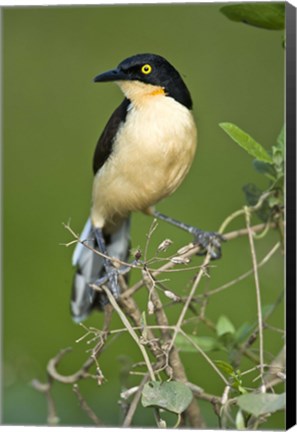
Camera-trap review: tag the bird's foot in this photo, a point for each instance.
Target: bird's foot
(111, 277)
(210, 242)
(113, 281)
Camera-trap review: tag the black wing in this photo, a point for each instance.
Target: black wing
(104, 145)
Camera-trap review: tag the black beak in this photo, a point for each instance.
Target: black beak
(111, 75)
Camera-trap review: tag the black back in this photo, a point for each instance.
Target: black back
(104, 145)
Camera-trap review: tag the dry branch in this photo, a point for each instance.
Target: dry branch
(164, 356)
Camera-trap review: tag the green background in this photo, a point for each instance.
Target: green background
(53, 115)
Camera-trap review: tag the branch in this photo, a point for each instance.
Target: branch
(191, 250)
(248, 273)
(128, 326)
(67, 379)
(132, 408)
(85, 407)
(276, 373)
(209, 361)
(189, 299)
(163, 348)
(258, 295)
(52, 418)
(173, 366)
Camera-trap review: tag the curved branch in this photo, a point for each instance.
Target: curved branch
(68, 379)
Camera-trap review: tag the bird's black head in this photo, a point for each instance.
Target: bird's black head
(150, 69)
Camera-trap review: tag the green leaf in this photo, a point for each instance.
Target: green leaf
(206, 343)
(239, 421)
(237, 382)
(245, 141)
(261, 403)
(241, 389)
(252, 195)
(243, 331)
(270, 16)
(225, 367)
(267, 310)
(278, 157)
(264, 168)
(278, 154)
(224, 326)
(172, 396)
(281, 138)
(274, 201)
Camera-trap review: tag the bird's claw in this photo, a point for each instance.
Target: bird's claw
(209, 242)
(113, 285)
(110, 279)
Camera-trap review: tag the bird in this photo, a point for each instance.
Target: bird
(142, 156)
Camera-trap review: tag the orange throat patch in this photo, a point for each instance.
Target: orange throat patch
(157, 91)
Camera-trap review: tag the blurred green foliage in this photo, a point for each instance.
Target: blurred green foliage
(270, 16)
(52, 117)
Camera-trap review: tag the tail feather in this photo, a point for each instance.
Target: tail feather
(90, 267)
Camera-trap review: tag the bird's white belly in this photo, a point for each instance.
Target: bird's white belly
(151, 156)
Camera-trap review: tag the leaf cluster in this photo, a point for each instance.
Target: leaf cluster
(267, 163)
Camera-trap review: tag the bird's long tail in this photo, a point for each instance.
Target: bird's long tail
(90, 267)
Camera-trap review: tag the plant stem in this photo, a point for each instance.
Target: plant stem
(258, 294)
(128, 326)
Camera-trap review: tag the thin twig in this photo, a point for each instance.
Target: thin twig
(97, 252)
(192, 250)
(52, 418)
(242, 212)
(132, 408)
(126, 323)
(277, 366)
(258, 295)
(209, 361)
(248, 273)
(152, 228)
(189, 299)
(229, 219)
(85, 407)
(67, 379)
(216, 401)
(172, 364)
(169, 333)
(244, 348)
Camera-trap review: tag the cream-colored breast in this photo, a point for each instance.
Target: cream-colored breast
(151, 156)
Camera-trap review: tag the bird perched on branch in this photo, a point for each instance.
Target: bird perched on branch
(142, 156)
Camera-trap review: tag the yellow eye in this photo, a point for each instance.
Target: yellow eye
(146, 69)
